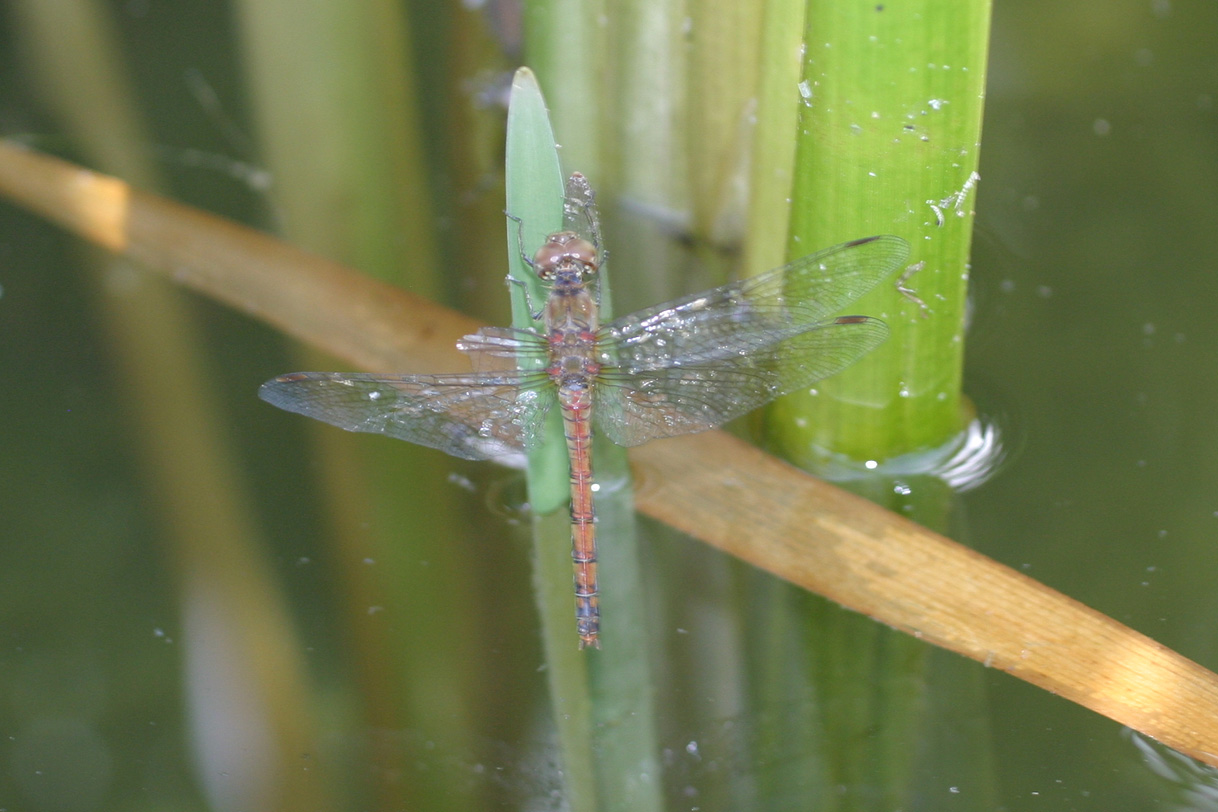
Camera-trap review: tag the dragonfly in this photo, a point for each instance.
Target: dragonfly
(684, 366)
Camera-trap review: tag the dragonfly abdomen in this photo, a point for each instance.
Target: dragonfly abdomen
(576, 405)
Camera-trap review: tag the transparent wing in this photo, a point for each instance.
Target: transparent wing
(634, 407)
(500, 349)
(745, 316)
(579, 209)
(476, 417)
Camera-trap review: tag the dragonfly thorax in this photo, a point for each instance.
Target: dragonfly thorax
(566, 258)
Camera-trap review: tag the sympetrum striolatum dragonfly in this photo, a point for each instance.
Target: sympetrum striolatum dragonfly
(680, 367)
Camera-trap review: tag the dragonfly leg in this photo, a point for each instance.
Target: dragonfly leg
(528, 260)
(534, 312)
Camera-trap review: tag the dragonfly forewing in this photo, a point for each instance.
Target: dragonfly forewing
(579, 210)
(502, 349)
(823, 284)
(751, 314)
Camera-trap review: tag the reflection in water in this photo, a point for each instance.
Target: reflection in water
(716, 764)
(967, 461)
(1194, 785)
(507, 496)
(505, 775)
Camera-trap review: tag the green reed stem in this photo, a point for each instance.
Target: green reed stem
(885, 141)
(601, 699)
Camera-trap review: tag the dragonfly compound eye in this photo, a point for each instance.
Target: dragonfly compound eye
(564, 248)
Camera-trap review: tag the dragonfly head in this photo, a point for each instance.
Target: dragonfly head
(565, 251)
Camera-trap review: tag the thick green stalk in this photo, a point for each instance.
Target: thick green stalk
(889, 115)
(888, 143)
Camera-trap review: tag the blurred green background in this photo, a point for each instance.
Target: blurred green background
(412, 663)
